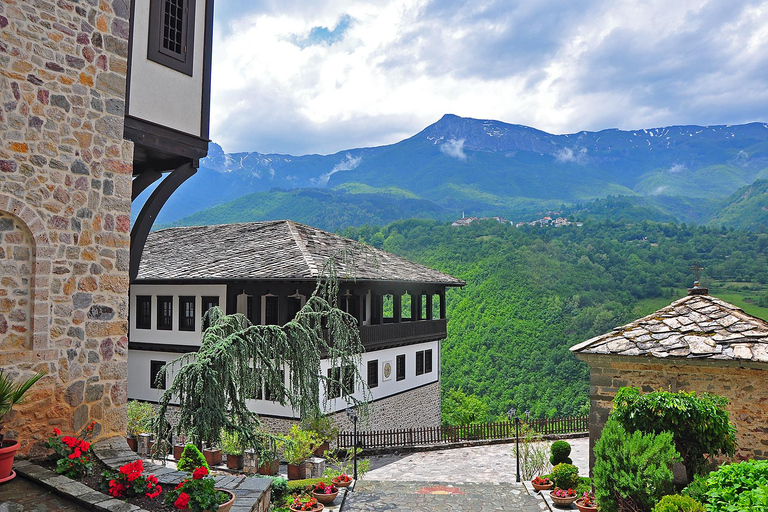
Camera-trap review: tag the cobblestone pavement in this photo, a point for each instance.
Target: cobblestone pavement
(479, 464)
(20, 495)
(370, 495)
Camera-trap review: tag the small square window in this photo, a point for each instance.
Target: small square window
(428, 361)
(373, 373)
(420, 362)
(171, 34)
(186, 313)
(271, 310)
(400, 367)
(154, 371)
(208, 304)
(143, 312)
(165, 313)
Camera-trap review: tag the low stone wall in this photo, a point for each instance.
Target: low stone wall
(745, 388)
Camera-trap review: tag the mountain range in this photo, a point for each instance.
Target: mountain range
(456, 166)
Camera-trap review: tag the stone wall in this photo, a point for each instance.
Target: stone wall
(745, 387)
(65, 188)
(416, 408)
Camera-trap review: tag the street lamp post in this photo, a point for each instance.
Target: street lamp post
(353, 416)
(513, 412)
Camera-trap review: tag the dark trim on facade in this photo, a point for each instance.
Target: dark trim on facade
(205, 110)
(160, 148)
(160, 347)
(149, 212)
(142, 181)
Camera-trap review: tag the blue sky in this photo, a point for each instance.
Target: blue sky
(299, 76)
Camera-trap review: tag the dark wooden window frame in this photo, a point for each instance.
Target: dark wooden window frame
(428, 361)
(164, 321)
(420, 362)
(183, 317)
(154, 369)
(400, 367)
(209, 301)
(373, 373)
(143, 311)
(180, 61)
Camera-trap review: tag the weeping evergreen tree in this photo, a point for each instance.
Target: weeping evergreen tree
(236, 357)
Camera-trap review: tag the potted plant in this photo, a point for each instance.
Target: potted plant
(324, 493)
(563, 497)
(198, 494)
(178, 446)
(301, 504)
(297, 446)
(269, 464)
(587, 503)
(325, 430)
(230, 444)
(542, 483)
(11, 394)
(139, 420)
(212, 456)
(342, 480)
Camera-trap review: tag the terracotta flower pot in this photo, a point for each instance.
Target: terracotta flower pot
(269, 468)
(133, 443)
(212, 456)
(340, 483)
(297, 471)
(545, 487)
(584, 508)
(234, 461)
(563, 502)
(317, 508)
(325, 499)
(224, 507)
(320, 450)
(7, 453)
(178, 449)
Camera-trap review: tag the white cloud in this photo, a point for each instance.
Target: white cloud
(677, 168)
(566, 155)
(556, 65)
(454, 148)
(347, 164)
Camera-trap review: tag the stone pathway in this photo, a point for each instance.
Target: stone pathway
(21, 495)
(393, 496)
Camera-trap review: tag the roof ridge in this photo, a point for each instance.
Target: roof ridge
(302, 246)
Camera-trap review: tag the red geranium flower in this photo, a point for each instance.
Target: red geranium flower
(199, 473)
(181, 501)
(56, 432)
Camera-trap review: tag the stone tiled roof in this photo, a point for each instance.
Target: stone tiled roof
(269, 251)
(696, 326)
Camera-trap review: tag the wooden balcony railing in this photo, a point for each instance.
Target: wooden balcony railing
(374, 336)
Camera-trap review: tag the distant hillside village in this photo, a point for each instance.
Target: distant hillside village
(544, 221)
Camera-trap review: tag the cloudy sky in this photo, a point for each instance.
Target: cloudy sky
(314, 76)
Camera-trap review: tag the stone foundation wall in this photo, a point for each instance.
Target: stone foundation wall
(745, 388)
(65, 189)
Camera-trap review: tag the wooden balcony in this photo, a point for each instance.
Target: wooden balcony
(405, 333)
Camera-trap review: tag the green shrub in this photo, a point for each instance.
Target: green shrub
(742, 486)
(191, 459)
(279, 489)
(565, 476)
(697, 489)
(700, 424)
(140, 416)
(632, 470)
(677, 503)
(560, 453)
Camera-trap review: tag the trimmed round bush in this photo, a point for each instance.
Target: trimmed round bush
(560, 453)
(565, 476)
(191, 459)
(677, 503)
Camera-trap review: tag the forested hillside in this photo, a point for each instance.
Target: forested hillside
(533, 292)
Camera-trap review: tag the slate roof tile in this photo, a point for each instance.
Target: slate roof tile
(271, 250)
(698, 326)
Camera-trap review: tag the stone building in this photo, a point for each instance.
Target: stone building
(68, 155)
(267, 270)
(698, 343)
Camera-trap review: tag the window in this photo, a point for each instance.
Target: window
(340, 381)
(143, 312)
(171, 34)
(249, 308)
(154, 370)
(373, 373)
(186, 313)
(428, 361)
(208, 303)
(270, 310)
(420, 362)
(348, 380)
(405, 307)
(294, 305)
(165, 313)
(333, 387)
(400, 367)
(388, 308)
(256, 392)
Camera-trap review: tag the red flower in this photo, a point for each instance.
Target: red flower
(56, 432)
(181, 501)
(156, 493)
(84, 445)
(199, 473)
(70, 441)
